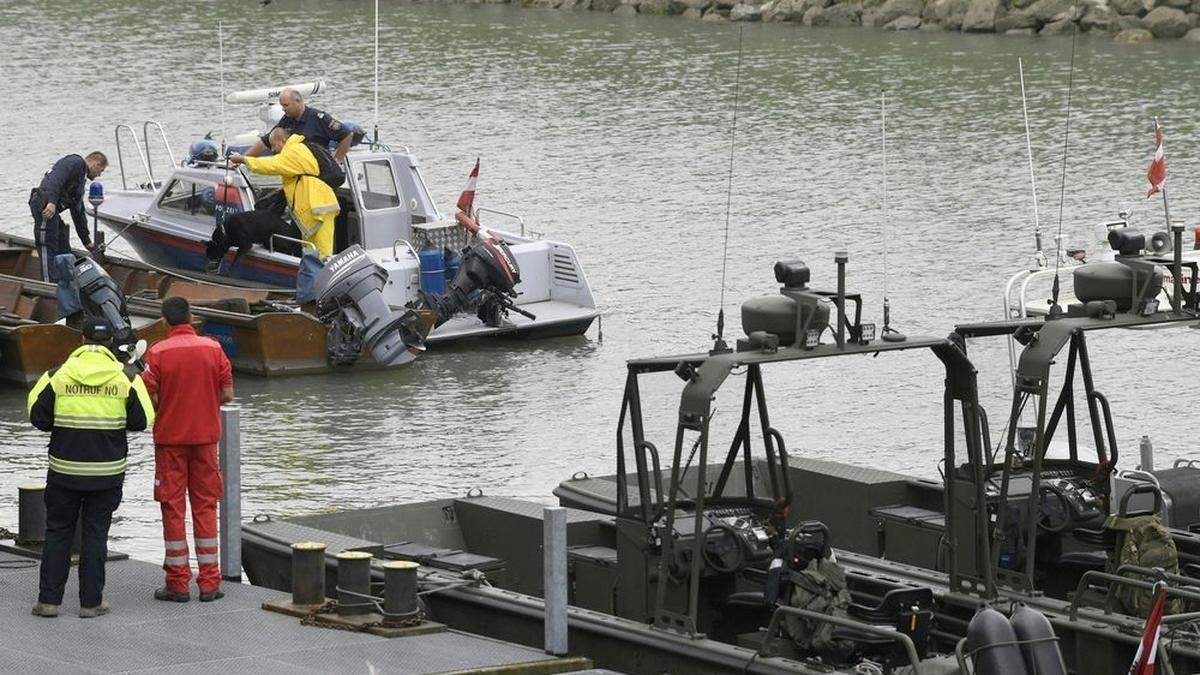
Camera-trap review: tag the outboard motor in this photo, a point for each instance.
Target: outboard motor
(489, 266)
(349, 296)
(101, 297)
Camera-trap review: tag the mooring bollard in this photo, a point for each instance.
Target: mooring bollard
(230, 526)
(308, 573)
(399, 590)
(554, 578)
(31, 514)
(354, 582)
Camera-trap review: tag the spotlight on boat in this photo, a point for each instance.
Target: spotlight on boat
(101, 297)
(349, 296)
(1126, 241)
(488, 266)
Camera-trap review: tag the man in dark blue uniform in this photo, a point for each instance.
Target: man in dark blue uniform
(62, 189)
(316, 126)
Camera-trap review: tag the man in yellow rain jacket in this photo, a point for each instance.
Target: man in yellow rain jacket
(314, 204)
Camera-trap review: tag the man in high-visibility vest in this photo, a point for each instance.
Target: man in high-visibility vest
(87, 404)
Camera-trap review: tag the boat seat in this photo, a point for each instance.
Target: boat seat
(1085, 560)
(908, 610)
(26, 306)
(754, 599)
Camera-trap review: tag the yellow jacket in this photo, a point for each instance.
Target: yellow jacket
(309, 197)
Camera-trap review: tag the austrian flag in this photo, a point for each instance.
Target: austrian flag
(1158, 168)
(467, 199)
(1147, 653)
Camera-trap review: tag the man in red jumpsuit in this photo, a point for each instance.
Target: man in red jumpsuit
(189, 378)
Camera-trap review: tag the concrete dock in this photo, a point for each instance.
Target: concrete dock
(231, 635)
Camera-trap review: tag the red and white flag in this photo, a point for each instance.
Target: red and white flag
(1158, 168)
(467, 199)
(1143, 661)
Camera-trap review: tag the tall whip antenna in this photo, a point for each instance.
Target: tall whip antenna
(718, 339)
(377, 71)
(221, 67)
(889, 334)
(1037, 222)
(1055, 310)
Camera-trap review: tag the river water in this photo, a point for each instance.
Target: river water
(613, 134)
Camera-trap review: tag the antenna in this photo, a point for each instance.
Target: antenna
(889, 334)
(1055, 310)
(221, 68)
(377, 71)
(1037, 223)
(719, 339)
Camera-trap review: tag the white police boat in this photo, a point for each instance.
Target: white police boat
(386, 209)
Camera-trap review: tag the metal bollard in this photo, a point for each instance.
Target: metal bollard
(400, 590)
(354, 575)
(230, 525)
(308, 573)
(554, 578)
(31, 513)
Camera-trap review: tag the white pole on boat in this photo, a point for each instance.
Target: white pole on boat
(230, 515)
(554, 578)
(376, 71)
(1037, 223)
(221, 68)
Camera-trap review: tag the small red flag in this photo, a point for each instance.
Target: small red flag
(467, 199)
(1158, 168)
(1143, 661)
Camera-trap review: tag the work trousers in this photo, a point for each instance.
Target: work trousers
(51, 237)
(184, 473)
(93, 509)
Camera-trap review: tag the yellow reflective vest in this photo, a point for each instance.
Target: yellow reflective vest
(88, 404)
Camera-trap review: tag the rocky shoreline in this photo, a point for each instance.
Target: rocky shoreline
(1129, 21)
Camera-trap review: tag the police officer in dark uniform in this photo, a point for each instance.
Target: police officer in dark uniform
(316, 126)
(62, 189)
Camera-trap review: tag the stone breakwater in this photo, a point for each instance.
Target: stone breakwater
(1130, 21)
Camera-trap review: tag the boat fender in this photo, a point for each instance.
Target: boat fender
(1039, 644)
(992, 644)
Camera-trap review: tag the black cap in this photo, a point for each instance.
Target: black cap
(97, 329)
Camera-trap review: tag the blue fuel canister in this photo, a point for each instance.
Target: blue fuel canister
(433, 271)
(453, 262)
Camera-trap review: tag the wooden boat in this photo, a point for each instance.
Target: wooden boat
(259, 335)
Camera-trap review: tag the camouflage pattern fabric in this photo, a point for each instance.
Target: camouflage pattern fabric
(1146, 544)
(819, 587)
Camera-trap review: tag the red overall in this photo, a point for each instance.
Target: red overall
(187, 373)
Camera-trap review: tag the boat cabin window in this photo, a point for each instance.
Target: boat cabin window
(377, 185)
(185, 196)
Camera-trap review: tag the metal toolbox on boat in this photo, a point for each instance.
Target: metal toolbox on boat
(910, 535)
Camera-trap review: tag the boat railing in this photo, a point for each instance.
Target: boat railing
(1093, 576)
(506, 214)
(880, 631)
(121, 156)
(1017, 307)
(162, 134)
(303, 244)
(396, 249)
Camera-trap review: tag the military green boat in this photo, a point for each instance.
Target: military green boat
(766, 563)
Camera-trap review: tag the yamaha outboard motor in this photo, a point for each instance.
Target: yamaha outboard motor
(488, 266)
(101, 297)
(349, 296)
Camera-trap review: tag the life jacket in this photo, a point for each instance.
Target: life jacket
(329, 171)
